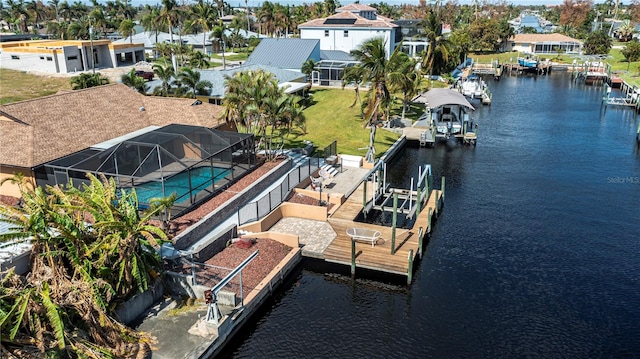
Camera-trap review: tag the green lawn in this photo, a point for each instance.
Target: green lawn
(329, 118)
(19, 86)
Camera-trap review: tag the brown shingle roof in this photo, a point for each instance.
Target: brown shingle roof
(533, 38)
(40, 130)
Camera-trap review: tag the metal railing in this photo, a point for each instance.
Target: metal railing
(258, 209)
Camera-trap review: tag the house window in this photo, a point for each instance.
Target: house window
(346, 33)
(69, 58)
(15, 57)
(49, 58)
(41, 57)
(326, 33)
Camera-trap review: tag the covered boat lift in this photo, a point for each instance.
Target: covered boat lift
(446, 115)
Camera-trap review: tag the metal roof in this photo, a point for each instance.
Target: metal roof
(440, 97)
(335, 55)
(217, 77)
(285, 53)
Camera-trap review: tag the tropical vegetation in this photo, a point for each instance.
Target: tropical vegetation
(92, 249)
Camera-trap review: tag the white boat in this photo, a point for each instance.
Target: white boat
(473, 87)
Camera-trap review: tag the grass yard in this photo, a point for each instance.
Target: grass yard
(19, 86)
(329, 118)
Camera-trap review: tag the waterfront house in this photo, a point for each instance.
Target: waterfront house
(349, 27)
(65, 56)
(41, 130)
(290, 54)
(544, 44)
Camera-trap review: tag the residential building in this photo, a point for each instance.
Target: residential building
(41, 130)
(351, 26)
(65, 56)
(544, 44)
(290, 54)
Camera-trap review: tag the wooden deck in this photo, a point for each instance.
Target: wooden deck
(378, 257)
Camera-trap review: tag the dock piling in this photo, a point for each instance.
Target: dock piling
(394, 221)
(420, 242)
(410, 269)
(353, 258)
(429, 220)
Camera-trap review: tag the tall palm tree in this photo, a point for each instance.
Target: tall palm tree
(126, 29)
(169, 16)
(218, 34)
(403, 77)
(373, 60)
(266, 16)
(437, 43)
(204, 16)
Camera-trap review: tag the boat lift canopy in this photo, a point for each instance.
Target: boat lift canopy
(439, 97)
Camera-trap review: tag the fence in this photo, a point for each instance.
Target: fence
(253, 211)
(331, 150)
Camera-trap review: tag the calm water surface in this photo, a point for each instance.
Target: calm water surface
(535, 255)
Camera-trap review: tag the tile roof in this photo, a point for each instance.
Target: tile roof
(40, 130)
(284, 53)
(532, 38)
(360, 22)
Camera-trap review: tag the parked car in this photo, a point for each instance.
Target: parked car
(147, 75)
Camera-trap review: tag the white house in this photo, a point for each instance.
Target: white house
(351, 26)
(541, 44)
(64, 56)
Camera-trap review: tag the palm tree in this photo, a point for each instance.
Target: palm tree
(403, 77)
(199, 60)
(126, 29)
(91, 249)
(308, 67)
(169, 16)
(218, 35)
(437, 43)
(86, 80)
(205, 17)
(164, 73)
(266, 16)
(191, 79)
(373, 60)
(134, 81)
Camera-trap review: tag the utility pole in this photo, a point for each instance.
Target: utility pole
(93, 60)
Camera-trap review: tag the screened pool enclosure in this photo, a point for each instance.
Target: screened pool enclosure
(192, 162)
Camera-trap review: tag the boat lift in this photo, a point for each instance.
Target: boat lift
(388, 199)
(211, 297)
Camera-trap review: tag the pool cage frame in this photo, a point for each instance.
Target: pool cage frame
(157, 163)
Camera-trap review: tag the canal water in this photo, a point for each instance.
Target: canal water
(536, 254)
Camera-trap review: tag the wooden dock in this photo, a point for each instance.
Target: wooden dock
(408, 244)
